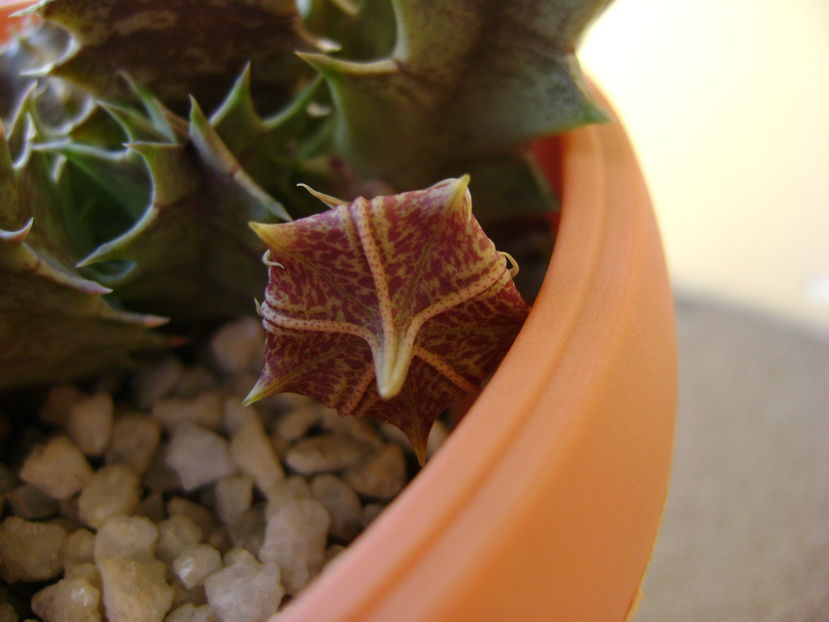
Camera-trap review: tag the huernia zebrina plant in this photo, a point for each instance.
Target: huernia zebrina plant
(153, 154)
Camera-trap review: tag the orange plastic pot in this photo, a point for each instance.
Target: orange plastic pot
(544, 503)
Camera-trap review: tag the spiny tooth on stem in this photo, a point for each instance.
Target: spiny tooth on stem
(237, 114)
(160, 116)
(325, 198)
(18, 236)
(419, 440)
(32, 261)
(135, 126)
(460, 197)
(173, 173)
(332, 68)
(264, 387)
(271, 235)
(215, 154)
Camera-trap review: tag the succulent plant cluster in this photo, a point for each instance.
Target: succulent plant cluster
(141, 137)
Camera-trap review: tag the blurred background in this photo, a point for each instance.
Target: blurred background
(726, 102)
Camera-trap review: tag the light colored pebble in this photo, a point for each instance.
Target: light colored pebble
(381, 474)
(30, 551)
(30, 502)
(198, 455)
(342, 503)
(295, 541)
(370, 512)
(234, 494)
(191, 613)
(80, 548)
(132, 537)
(326, 452)
(239, 345)
(68, 600)
(59, 401)
(176, 535)
(295, 423)
(286, 490)
(238, 554)
(90, 423)
(205, 409)
(112, 490)
(58, 468)
(251, 449)
(236, 413)
(135, 439)
(157, 380)
(195, 380)
(192, 566)
(244, 591)
(88, 572)
(248, 531)
(359, 429)
(135, 591)
(178, 506)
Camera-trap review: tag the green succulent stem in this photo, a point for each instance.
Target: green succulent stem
(142, 136)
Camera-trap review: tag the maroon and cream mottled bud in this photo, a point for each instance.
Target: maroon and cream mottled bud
(387, 308)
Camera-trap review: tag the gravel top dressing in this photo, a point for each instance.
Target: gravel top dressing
(159, 497)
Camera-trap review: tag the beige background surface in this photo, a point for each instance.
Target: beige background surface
(745, 537)
(727, 102)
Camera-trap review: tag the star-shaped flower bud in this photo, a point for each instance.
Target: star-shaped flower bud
(387, 308)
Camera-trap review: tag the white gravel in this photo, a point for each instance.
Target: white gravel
(90, 423)
(205, 409)
(326, 452)
(58, 468)
(244, 590)
(134, 590)
(68, 600)
(177, 503)
(30, 551)
(135, 439)
(295, 541)
(199, 456)
(194, 565)
(381, 474)
(112, 490)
